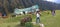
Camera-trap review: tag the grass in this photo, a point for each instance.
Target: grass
(47, 19)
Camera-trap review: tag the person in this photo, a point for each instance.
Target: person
(0, 14)
(53, 12)
(37, 17)
(24, 12)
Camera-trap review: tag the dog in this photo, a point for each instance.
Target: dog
(26, 19)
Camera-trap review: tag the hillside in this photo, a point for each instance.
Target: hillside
(10, 5)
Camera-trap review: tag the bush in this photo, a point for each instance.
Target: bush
(28, 24)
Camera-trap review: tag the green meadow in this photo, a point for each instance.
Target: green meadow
(47, 19)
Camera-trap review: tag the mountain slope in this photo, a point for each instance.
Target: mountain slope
(10, 5)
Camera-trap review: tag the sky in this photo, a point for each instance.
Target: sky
(56, 1)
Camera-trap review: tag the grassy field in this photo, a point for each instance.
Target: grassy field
(47, 19)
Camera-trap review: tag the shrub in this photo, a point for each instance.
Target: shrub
(28, 24)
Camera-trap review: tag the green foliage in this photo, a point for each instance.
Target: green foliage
(28, 24)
